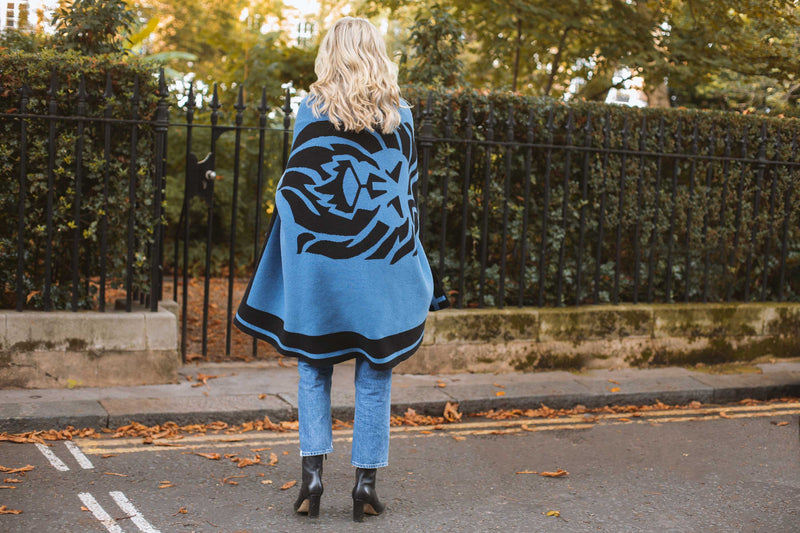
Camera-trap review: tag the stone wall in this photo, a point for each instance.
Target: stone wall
(514, 339)
(87, 349)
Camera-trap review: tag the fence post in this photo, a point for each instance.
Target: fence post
(287, 121)
(52, 109)
(25, 92)
(487, 179)
(161, 127)
(425, 142)
(76, 230)
(237, 150)
(785, 229)
(190, 105)
(107, 112)
(462, 258)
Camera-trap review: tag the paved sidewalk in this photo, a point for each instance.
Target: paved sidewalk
(249, 391)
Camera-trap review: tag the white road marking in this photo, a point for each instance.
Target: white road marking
(57, 463)
(78, 454)
(134, 514)
(99, 513)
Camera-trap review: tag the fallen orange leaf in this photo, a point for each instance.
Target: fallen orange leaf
(498, 385)
(6, 510)
(289, 484)
(115, 474)
(779, 424)
(26, 468)
(557, 473)
(500, 393)
(615, 389)
(212, 456)
(451, 413)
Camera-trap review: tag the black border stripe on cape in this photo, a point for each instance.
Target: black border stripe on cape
(328, 360)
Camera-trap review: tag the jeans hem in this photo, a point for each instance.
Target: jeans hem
(370, 465)
(323, 452)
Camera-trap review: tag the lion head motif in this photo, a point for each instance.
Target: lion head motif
(353, 193)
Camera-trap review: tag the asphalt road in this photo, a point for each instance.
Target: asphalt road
(730, 469)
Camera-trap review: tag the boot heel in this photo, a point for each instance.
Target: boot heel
(313, 505)
(358, 511)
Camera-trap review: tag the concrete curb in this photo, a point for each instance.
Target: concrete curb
(250, 392)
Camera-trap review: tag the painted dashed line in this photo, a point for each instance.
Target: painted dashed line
(78, 455)
(134, 514)
(127, 507)
(57, 463)
(60, 465)
(89, 501)
(100, 513)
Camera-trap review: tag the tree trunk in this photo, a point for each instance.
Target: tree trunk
(658, 95)
(556, 61)
(517, 53)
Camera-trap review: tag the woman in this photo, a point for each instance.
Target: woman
(343, 274)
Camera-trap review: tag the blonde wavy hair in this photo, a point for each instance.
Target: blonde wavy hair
(356, 83)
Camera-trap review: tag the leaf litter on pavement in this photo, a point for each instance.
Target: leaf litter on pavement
(162, 434)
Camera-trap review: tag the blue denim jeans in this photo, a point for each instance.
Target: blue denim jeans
(373, 407)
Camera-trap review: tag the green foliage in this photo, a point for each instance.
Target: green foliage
(34, 70)
(435, 49)
(93, 26)
(721, 217)
(579, 47)
(233, 43)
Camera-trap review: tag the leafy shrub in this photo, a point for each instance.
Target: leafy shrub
(692, 224)
(18, 68)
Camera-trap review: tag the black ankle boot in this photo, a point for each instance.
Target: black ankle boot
(365, 498)
(311, 489)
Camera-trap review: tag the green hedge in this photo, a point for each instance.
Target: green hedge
(726, 249)
(34, 69)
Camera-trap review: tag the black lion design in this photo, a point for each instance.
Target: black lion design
(353, 193)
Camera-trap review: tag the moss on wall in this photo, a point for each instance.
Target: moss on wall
(550, 361)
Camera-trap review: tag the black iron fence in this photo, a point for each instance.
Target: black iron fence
(523, 202)
(251, 157)
(83, 175)
(538, 203)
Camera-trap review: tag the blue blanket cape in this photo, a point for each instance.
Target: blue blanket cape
(342, 273)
